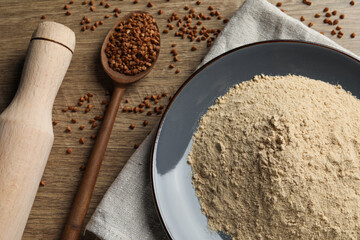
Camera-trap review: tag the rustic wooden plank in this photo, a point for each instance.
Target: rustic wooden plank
(62, 174)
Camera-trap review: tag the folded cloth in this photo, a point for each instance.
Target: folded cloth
(127, 210)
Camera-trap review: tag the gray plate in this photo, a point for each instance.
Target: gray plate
(177, 204)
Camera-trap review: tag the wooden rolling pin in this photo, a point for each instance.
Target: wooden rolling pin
(26, 134)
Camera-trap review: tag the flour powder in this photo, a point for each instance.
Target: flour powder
(278, 157)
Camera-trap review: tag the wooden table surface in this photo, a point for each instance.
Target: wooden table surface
(17, 22)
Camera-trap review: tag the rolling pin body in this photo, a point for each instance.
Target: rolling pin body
(26, 134)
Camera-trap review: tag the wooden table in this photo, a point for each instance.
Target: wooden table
(17, 22)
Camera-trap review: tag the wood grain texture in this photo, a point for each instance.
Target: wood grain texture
(85, 74)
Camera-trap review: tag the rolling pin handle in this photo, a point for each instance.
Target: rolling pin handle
(26, 134)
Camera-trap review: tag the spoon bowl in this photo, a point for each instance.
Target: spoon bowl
(117, 77)
(82, 199)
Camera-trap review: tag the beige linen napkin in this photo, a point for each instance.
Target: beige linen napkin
(127, 210)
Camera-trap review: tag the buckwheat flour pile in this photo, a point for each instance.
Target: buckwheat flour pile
(279, 158)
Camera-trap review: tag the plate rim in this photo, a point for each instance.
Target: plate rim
(191, 77)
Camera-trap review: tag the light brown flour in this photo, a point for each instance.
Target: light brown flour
(278, 158)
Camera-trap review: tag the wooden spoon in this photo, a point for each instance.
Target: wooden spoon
(80, 205)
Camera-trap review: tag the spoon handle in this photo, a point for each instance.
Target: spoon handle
(82, 199)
